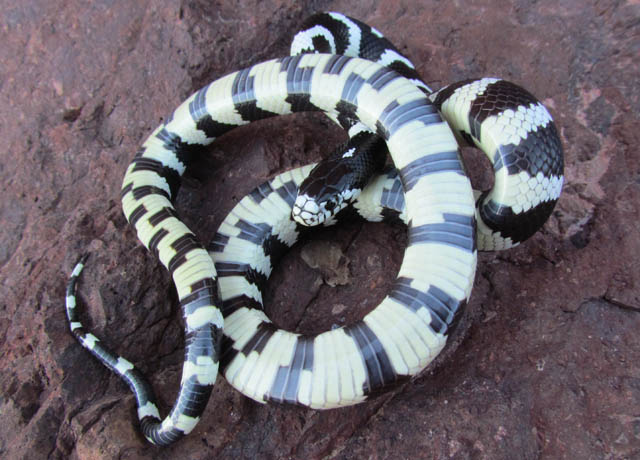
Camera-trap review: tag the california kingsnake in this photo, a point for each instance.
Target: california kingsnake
(409, 328)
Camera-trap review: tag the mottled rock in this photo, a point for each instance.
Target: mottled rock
(546, 364)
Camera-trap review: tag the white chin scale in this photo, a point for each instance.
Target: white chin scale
(309, 213)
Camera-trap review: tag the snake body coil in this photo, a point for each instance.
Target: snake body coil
(429, 191)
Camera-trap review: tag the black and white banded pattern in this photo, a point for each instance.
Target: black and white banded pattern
(339, 86)
(342, 366)
(429, 191)
(518, 135)
(506, 122)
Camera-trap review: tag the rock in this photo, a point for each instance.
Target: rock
(546, 362)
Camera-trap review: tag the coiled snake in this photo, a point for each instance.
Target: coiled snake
(429, 191)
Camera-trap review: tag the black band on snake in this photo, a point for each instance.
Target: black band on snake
(429, 191)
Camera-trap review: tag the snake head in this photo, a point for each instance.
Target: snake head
(328, 189)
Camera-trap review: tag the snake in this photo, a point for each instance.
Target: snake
(348, 70)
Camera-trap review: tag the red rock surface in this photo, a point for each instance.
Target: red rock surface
(549, 367)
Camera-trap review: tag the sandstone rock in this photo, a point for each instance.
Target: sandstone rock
(549, 366)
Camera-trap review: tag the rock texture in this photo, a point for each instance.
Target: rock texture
(550, 362)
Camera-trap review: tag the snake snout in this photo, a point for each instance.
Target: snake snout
(307, 212)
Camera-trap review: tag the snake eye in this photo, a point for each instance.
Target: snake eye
(330, 205)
